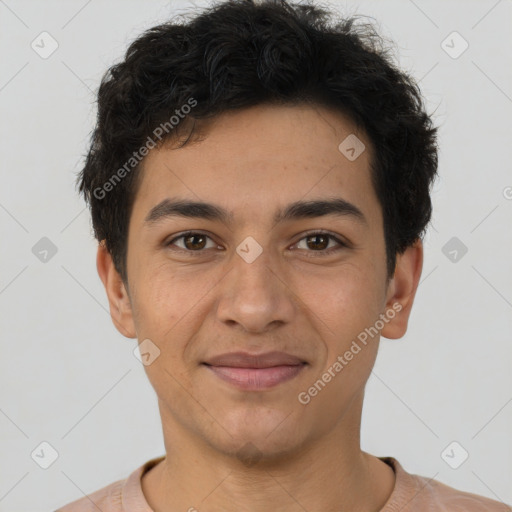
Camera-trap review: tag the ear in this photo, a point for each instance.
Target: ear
(118, 298)
(402, 289)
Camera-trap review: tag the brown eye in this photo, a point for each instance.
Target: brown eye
(319, 242)
(195, 241)
(192, 241)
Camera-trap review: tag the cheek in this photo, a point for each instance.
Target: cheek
(159, 301)
(345, 300)
(169, 304)
(346, 307)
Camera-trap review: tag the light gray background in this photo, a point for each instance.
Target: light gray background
(70, 379)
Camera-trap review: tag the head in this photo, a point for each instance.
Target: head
(277, 123)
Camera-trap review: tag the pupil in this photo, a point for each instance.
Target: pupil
(317, 237)
(195, 244)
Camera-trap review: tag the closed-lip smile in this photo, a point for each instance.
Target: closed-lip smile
(263, 360)
(253, 372)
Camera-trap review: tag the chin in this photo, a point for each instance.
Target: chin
(266, 437)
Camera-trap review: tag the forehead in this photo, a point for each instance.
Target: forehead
(253, 160)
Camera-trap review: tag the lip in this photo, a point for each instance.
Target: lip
(255, 379)
(263, 360)
(253, 372)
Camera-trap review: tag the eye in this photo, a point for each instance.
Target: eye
(318, 241)
(315, 241)
(193, 241)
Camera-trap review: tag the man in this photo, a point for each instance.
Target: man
(259, 184)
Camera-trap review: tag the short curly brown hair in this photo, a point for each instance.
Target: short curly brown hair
(238, 54)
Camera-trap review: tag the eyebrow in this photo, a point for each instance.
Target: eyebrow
(169, 208)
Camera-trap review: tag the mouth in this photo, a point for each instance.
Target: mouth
(255, 372)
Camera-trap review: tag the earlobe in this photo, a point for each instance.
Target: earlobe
(402, 290)
(118, 298)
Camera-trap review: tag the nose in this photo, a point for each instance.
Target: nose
(256, 296)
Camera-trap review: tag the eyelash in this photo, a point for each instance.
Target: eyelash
(330, 236)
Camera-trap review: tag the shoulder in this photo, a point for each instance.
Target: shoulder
(422, 494)
(120, 496)
(106, 499)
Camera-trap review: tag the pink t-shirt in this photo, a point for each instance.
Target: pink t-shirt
(411, 493)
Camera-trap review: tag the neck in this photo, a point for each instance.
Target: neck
(328, 473)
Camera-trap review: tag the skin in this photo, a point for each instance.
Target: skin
(293, 298)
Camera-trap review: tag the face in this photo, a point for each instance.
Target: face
(257, 275)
